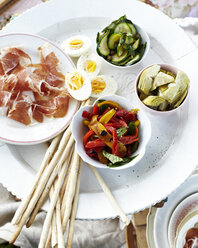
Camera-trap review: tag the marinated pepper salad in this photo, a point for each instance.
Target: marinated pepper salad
(113, 134)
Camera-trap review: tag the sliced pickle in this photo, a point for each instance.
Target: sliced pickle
(162, 79)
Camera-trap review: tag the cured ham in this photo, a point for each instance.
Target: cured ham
(4, 98)
(191, 238)
(44, 82)
(12, 57)
(21, 110)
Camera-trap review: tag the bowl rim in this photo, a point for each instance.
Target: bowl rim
(148, 45)
(172, 69)
(98, 164)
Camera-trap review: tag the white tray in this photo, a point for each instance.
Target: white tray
(171, 154)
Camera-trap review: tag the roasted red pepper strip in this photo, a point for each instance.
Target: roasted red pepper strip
(126, 115)
(112, 130)
(128, 139)
(119, 123)
(95, 143)
(95, 110)
(87, 115)
(91, 153)
(87, 136)
(105, 136)
(111, 125)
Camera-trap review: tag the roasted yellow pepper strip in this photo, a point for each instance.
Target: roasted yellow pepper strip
(110, 103)
(105, 136)
(107, 117)
(85, 122)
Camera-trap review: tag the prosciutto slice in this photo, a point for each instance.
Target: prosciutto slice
(56, 107)
(12, 57)
(44, 82)
(191, 238)
(4, 98)
(20, 109)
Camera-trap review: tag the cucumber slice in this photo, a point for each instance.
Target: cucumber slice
(99, 36)
(117, 59)
(113, 40)
(129, 39)
(120, 50)
(123, 63)
(133, 29)
(136, 44)
(102, 47)
(120, 47)
(134, 60)
(111, 27)
(123, 28)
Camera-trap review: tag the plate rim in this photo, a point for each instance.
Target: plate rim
(151, 217)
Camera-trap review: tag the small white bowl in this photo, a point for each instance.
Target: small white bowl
(151, 111)
(79, 130)
(145, 38)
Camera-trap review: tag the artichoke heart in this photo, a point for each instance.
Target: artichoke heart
(155, 102)
(146, 79)
(173, 93)
(182, 79)
(162, 79)
(161, 89)
(181, 99)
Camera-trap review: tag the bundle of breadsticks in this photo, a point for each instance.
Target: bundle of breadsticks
(59, 179)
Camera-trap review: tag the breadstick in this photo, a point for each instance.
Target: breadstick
(71, 188)
(46, 225)
(61, 243)
(73, 212)
(27, 199)
(53, 231)
(41, 186)
(110, 196)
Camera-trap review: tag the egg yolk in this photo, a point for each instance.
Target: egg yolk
(98, 85)
(75, 81)
(76, 44)
(90, 66)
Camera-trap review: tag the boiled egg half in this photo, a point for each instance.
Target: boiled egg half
(78, 85)
(103, 85)
(75, 46)
(90, 63)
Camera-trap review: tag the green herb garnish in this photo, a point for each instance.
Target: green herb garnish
(121, 131)
(132, 128)
(112, 158)
(125, 161)
(103, 108)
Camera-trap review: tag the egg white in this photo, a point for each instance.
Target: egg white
(84, 92)
(76, 52)
(86, 57)
(110, 88)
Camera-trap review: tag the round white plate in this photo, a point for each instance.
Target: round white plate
(184, 208)
(158, 219)
(170, 157)
(14, 132)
